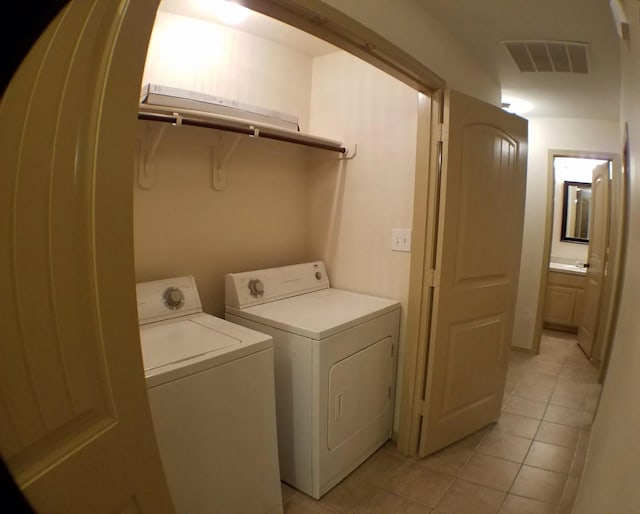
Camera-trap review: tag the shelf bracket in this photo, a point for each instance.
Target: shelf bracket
(147, 149)
(352, 151)
(219, 162)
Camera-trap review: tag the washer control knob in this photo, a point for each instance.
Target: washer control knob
(173, 298)
(318, 275)
(256, 287)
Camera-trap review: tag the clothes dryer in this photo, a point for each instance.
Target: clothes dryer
(335, 368)
(211, 392)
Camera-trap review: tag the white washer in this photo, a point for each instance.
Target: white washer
(211, 391)
(335, 361)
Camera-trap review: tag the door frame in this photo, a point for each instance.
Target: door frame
(617, 242)
(618, 237)
(430, 113)
(334, 26)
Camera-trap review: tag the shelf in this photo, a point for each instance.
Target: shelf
(181, 116)
(238, 126)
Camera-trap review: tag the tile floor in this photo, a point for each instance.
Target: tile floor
(529, 462)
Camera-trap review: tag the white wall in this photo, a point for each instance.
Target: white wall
(410, 27)
(548, 134)
(209, 58)
(612, 471)
(354, 207)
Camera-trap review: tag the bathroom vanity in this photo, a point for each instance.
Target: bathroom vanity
(563, 301)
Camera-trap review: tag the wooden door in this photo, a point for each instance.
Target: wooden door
(481, 177)
(75, 424)
(597, 258)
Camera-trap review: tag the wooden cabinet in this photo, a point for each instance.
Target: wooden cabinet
(563, 303)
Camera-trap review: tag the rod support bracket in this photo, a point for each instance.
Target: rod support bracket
(352, 151)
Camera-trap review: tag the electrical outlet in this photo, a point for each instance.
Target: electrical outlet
(401, 239)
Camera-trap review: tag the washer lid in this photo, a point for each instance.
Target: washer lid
(318, 314)
(172, 349)
(179, 341)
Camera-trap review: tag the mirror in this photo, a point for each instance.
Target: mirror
(576, 211)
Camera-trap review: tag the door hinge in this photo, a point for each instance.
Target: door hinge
(440, 132)
(432, 278)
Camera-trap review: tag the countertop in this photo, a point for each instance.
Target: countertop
(567, 268)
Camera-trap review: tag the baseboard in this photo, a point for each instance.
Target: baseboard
(530, 351)
(560, 328)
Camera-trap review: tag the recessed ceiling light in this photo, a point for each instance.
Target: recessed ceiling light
(226, 11)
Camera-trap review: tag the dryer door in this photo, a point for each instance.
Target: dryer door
(359, 391)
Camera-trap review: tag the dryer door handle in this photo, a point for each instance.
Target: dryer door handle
(337, 408)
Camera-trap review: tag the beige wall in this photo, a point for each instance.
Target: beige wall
(202, 56)
(612, 470)
(410, 27)
(184, 226)
(548, 134)
(354, 207)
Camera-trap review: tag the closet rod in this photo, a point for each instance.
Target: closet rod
(241, 128)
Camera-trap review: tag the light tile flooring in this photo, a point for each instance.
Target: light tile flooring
(529, 462)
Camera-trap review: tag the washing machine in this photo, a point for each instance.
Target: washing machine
(335, 368)
(212, 397)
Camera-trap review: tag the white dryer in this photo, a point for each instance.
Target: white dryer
(211, 391)
(335, 368)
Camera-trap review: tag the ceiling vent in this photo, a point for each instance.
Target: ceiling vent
(549, 56)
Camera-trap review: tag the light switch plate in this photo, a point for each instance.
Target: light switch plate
(401, 239)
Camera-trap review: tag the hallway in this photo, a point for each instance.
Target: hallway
(529, 462)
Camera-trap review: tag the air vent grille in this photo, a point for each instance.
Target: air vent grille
(549, 56)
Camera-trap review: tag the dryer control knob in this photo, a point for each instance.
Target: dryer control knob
(256, 287)
(173, 298)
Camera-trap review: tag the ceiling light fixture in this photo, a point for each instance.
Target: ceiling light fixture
(226, 11)
(516, 105)
(620, 19)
